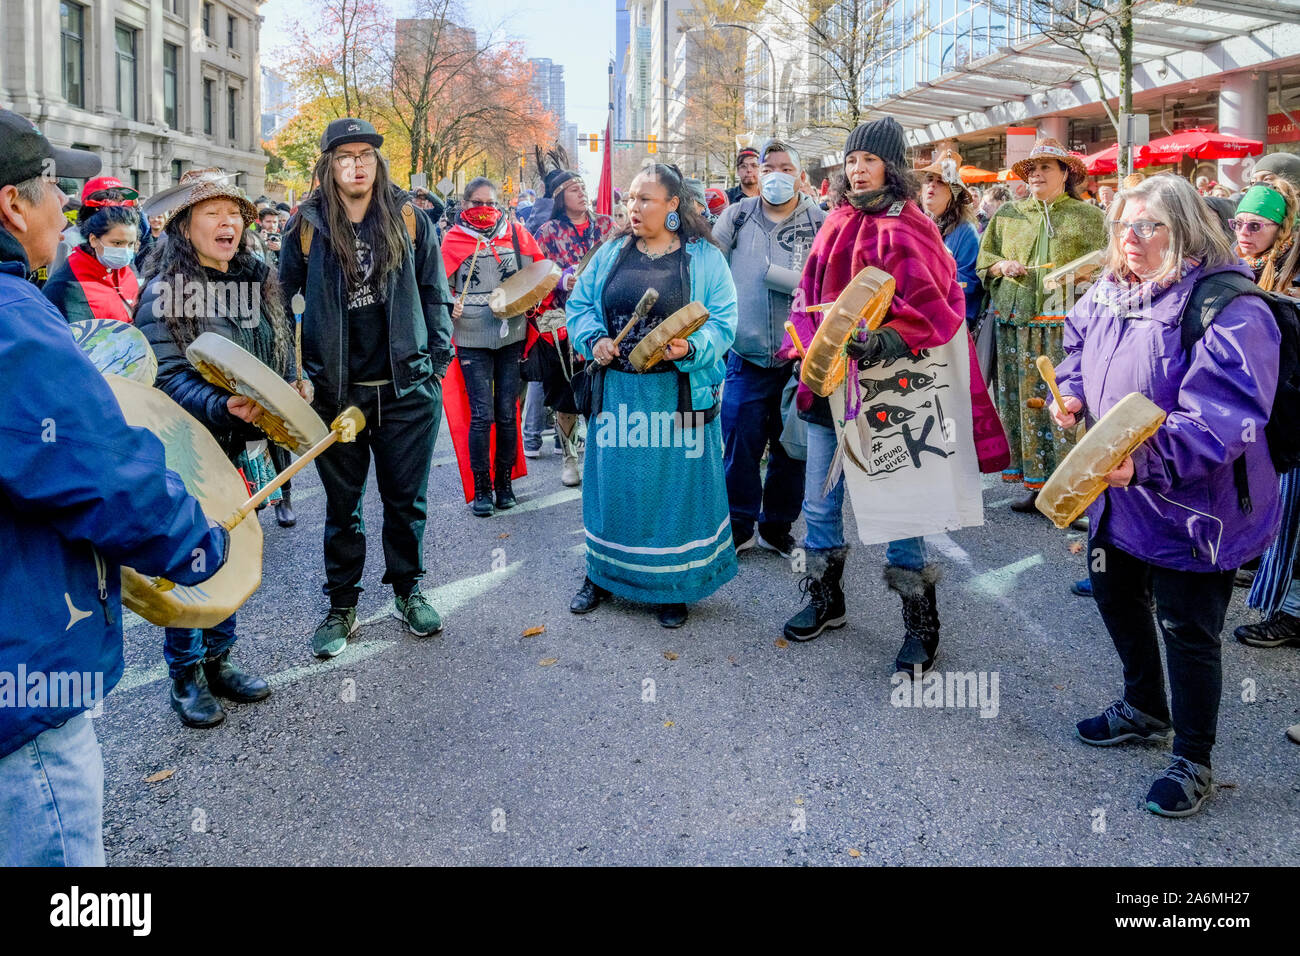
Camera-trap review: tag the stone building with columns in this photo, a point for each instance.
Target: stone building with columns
(155, 87)
(967, 71)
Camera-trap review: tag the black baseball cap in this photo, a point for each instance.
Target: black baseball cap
(349, 130)
(27, 154)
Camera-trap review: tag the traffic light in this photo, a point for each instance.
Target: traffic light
(653, 146)
(510, 184)
(594, 140)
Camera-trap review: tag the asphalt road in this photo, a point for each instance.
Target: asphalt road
(482, 746)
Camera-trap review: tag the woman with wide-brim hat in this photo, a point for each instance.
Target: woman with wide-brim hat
(200, 281)
(1023, 242)
(947, 201)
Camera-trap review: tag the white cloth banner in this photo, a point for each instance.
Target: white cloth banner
(923, 474)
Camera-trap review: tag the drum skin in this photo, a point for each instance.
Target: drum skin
(525, 289)
(686, 321)
(1081, 478)
(291, 422)
(867, 297)
(118, 348)
(209, 476)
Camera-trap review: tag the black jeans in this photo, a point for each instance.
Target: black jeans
(492, 384)
(400, 432)
(1189, 607)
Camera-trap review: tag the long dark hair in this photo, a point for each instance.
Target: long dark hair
(693, 224)
(900, 185)
(381, 229)
(960, 209)
(177, 257)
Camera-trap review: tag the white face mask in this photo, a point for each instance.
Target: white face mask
(116, 257)
(778, 187)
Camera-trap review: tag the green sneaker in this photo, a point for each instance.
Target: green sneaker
(416, 613)
(332, 636)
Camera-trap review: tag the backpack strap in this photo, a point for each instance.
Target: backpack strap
(305, 232)
(745, 212)
(408, 216)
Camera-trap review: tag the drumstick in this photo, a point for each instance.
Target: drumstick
(819, 308)
(1048, 371)
(640, 312)
(298, 304)
(1045, 265)
(342, 429)
(794, 337)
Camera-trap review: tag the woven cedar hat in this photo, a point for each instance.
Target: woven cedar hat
(1049, 148)
(197, 185)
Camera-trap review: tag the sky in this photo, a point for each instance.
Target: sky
(579, 34)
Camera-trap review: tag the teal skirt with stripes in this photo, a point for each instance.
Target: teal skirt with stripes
(654, 496)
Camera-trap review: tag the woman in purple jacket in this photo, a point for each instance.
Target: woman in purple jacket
(1170, 527)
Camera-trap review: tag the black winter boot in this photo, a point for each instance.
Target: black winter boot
(825, 606)
(482, 506)
(193, 702)
(505, 494)
(920, 617)
(225, 679)
(284, 515)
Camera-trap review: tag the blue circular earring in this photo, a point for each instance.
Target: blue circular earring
(673, 221)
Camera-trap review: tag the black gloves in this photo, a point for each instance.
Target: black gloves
(883, 344)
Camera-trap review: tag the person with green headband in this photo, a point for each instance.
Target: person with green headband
(1265, 229)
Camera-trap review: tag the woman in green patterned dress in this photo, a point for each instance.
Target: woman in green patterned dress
(1023, 242)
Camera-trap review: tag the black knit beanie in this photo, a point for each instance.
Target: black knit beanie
(882, 137)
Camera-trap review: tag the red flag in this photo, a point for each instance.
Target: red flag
(605, 193)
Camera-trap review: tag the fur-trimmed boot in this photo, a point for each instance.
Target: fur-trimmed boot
(920, 616)
(825, 606)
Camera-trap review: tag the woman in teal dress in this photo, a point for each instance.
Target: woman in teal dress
(654, 498)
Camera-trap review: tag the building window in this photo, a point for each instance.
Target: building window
(137, 180)
(207, 20)
(171, 70)
(207, 107)
(72, 18)
(230, 31)
(178, 168)
(232, 112)
(126, 101)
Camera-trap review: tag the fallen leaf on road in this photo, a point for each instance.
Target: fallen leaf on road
(1059, 686)
(668, 723)
(671, 655)
(548, 661)
(782, 642)
(798, 801)
(1076, 547)
(731, 660)
(855, 854)
(159, 777)
(504, 534)
(534, 631)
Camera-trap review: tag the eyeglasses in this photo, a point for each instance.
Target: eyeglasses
(1145, 228)
(364, 160)
(1248, 226)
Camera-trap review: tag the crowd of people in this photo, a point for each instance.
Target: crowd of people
(401, 322)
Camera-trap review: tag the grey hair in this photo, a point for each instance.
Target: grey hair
(1193, 230)
(31, 191)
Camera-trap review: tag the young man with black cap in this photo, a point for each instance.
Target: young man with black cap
(766, 239)
(376, 334)
(81, 493)
(747, 163)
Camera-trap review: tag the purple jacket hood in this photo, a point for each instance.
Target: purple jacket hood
(1181, 510)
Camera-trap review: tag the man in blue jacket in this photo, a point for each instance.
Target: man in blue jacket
(81, 494)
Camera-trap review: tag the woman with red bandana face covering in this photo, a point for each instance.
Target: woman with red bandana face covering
(482, 250)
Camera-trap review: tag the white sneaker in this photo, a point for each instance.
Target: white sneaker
(570, 476)
(532, 453)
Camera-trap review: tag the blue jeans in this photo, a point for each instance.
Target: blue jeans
(825, 516)
(52, 799)
(751, 421)
(534, 416)
(1291, 603)
(185, 646)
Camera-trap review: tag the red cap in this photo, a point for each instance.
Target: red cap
(107, 182)
(716, 199)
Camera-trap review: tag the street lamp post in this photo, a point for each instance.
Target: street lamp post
(741, 26)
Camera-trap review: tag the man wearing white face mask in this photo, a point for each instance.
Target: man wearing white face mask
(766, 239)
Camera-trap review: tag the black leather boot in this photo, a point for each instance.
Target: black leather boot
(825, 608)
(1026, 505)
(482, 506)
(588, 597)
(225, 679)
(505, 494)
(920, 617)
(284, 515)
(193, 702)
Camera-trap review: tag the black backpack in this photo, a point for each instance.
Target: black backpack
(1209, 297)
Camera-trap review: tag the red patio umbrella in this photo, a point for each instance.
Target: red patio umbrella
(1199, 143)
(973, 174)
(1106, 161)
